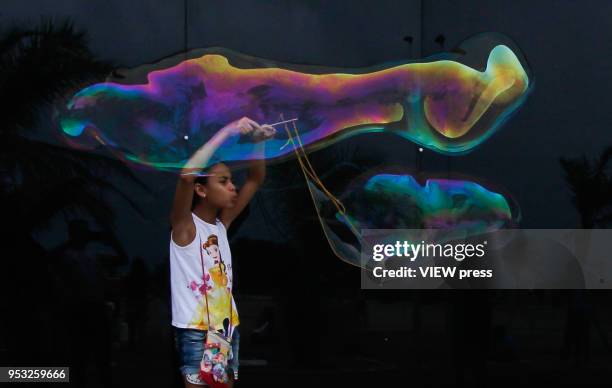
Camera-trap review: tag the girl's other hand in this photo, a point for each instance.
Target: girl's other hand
(243, 126)
(264, 132)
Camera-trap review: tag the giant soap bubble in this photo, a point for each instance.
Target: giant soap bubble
(158, 115)
(394, 203)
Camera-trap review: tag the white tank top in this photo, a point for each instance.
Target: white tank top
(190, 287)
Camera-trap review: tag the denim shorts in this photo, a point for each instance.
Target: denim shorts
(189, 344)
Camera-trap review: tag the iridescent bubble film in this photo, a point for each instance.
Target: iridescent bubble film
(159, 115)
(448, 208)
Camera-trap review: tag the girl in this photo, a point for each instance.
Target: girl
(200, 258)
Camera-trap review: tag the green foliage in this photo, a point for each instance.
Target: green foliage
(40, 66)
(591, 186)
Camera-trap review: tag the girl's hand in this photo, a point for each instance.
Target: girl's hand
(243, 126)
(264, 132)
(246, 126)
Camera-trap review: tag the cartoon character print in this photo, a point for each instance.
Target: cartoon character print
(216, 286)
(214, 362)
(219, 270)
(206, 363)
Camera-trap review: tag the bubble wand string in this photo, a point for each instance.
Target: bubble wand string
(309, 172)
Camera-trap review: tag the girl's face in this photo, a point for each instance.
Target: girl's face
(219, 189)
(213, 251)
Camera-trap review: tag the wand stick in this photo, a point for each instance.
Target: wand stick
(281, 122)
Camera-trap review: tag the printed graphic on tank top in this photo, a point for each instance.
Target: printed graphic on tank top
(193, 289)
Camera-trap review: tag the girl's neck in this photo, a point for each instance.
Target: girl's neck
(206, 213)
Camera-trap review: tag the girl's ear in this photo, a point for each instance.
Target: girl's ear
(200, 190)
